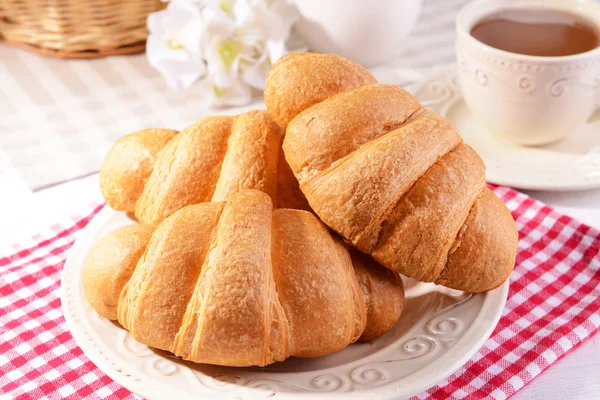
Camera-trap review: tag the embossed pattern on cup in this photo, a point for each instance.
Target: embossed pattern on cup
(526, 99)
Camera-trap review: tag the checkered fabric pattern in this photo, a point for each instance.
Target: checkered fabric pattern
(553, 306)
(58, 118)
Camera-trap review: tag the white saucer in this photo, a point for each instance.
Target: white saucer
(439, 331)
(570, 164)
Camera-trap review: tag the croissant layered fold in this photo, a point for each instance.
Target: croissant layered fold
(237, 283)
(389, 175)
(155, 172)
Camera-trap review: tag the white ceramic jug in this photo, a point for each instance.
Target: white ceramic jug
(369, 32)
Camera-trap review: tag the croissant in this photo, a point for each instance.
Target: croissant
(235, 283)
(389, 175)
(155, 172)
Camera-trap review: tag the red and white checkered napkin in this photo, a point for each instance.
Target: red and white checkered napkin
(553, 306)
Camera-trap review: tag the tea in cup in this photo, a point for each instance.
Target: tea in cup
(529, 70)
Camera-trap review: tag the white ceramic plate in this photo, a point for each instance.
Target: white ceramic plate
(440, 329)
(570, 164)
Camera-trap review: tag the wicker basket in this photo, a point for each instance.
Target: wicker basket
(77, 28)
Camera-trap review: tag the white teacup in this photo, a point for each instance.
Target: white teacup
(525, 99)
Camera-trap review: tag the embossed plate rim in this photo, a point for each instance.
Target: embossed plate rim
(110, 363)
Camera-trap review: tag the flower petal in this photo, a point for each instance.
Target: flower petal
(154, 22)
(275, 49)
(237, 94)
(217, 23)
(256, 75)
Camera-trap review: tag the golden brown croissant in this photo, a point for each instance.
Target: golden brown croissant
(389, 175)
(235, 283)
(155, 172)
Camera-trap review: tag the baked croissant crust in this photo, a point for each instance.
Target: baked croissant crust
(389, 175)
(155, 172)
(237, 283)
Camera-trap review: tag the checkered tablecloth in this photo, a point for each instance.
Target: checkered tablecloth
(553, 306)
(58, 118)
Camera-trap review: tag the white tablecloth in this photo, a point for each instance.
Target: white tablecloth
(58, 118)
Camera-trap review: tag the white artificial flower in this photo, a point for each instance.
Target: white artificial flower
(217, 19)
(264, 20)
(236, 93)
(238, 40)
(255, 71)
(174, 44)
(224, 5)
(225, 59)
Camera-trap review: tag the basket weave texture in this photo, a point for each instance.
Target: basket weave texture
(77, 28)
